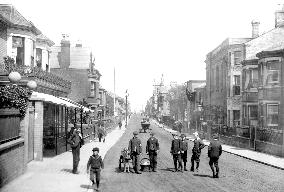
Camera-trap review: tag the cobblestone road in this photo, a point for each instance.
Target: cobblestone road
(236, 174)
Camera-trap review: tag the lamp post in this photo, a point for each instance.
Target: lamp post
(126, 95)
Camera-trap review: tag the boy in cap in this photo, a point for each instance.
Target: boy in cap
(135, 148)
(94, 165)
(214, 152)
(196, 151)
(175, 151)
(152, 149)
(183, 148)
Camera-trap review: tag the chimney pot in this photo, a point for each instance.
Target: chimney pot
(255, 28)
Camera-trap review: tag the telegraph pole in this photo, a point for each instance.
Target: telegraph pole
(126, 95)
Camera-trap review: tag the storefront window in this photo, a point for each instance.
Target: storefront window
(39, 58)
(236, 117)
(272, 114)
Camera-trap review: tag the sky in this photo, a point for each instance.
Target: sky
(144, 39)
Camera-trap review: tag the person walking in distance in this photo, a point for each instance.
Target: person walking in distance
(214, 152)
(94, 165)
(196, 151)
(135, 148)
(119, 124)
(183, 148)
(75, 142)
(152, 149)
(175, 151)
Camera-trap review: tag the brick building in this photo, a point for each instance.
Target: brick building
(223, 80)
(76, 65)
(194, 102)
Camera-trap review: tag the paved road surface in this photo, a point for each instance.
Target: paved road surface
(236, 173)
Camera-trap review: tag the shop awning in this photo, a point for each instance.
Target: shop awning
(51, 99)
(85, 109)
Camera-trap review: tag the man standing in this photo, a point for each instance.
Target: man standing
(135, 148)
(75, 142)
(196, 151)
(152, 149)
(183, 148)
(214, 152)
(175, 151)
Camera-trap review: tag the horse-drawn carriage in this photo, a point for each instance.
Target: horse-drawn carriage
(145, 124)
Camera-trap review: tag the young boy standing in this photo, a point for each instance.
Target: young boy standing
(95, 164)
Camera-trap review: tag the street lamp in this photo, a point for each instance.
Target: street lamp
(126, 95)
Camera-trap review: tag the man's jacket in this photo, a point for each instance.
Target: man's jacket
(152, 144)
(135, 146)
(214, 149)
(175, 148)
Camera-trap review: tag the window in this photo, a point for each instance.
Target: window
(237, 83)
(93, 89)
(39, 58)
(273, 70)
(18, 46)
(237, 57)
(217, 78)
(236, 117)
(253, 112)
(230, 57)
(272, 115)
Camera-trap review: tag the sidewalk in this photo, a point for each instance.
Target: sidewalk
(55, 174)
(259, 157)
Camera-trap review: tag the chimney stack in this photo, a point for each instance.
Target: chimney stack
(279, 16)
(255, 28)
(65, 52)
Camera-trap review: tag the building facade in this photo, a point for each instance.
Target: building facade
(223, 81)
(76, 65)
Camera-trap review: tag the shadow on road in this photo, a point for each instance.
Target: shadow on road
(168, 169)
(86, 186)
(66, 170)
(202, 175)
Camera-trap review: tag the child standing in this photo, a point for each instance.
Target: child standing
(95, 164)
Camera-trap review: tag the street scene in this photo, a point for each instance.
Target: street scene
(160, 96)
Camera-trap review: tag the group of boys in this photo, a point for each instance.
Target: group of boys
(179, 150)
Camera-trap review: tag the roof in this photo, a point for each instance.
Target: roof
(270, 40)
(85, 109)
(13, 18)
(42, 37)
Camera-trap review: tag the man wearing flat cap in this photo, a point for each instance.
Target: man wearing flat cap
(175, 151)
(214, 152)
(152, 149)
(75, 142)
(198, 145)
(135, 148)
(183, 148)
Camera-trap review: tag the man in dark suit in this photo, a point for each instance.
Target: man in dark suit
(214, 152)
(175, 151)
(196, 151)
(152, 149)
(183, 148)
(75, 142)
(135, 148)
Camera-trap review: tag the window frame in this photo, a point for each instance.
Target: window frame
(267, 114)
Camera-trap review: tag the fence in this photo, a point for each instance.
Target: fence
(270, 135)
(10, 125)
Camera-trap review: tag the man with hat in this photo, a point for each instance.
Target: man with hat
(152, 149)
(135, 148)
(176, 152)
(183, 148)
(75, 142)
(94, 165)
(214, 152)
(196, 151)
